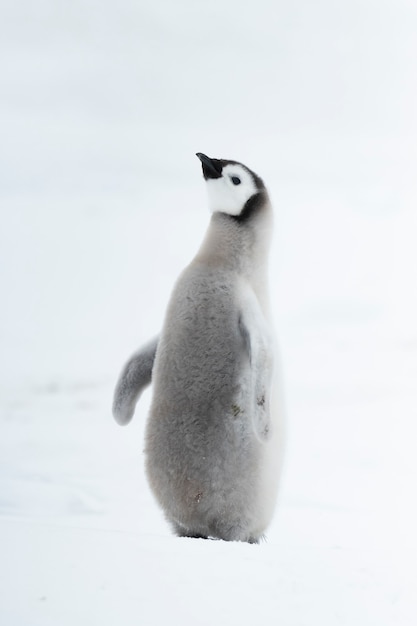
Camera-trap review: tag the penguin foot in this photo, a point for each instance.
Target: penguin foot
(232, 534)
(254, 540)
(181, 531)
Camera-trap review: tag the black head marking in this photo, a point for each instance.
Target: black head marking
(251, 208)
(213, 168)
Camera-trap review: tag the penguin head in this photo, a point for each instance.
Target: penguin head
(232, 187)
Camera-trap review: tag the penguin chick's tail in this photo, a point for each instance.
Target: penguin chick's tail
(135, 377)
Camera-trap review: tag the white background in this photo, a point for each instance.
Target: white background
(102, 108)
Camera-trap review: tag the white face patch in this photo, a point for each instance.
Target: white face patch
(229, 193)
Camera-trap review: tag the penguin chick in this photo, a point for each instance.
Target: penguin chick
(214, 433)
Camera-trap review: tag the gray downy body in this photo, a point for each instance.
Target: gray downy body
(214, 434)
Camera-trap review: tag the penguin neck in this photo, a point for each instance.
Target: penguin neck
(239, 245)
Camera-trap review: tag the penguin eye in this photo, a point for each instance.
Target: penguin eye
(236, 180)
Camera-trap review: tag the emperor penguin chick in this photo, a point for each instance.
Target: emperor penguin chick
(214, 433)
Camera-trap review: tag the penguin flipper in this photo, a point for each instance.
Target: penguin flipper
(257, 346)
(134, 378)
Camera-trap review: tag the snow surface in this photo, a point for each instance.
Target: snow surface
(102, 203)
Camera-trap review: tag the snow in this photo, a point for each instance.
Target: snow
(102, 204)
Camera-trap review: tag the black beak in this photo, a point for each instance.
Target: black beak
(212, 168)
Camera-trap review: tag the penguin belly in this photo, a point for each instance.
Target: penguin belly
(206, 460)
